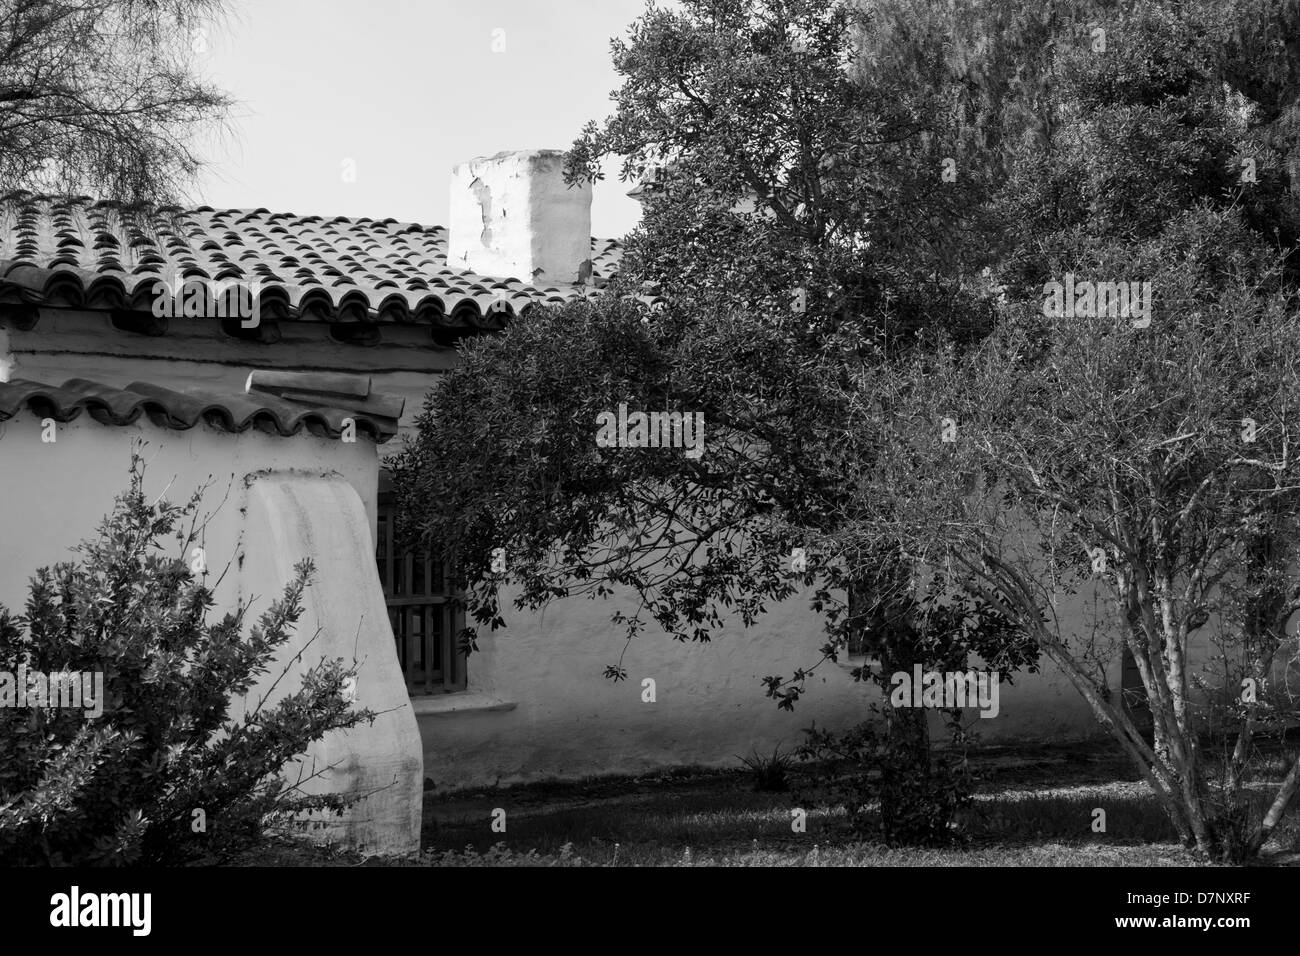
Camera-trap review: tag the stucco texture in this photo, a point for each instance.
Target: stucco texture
(569, 720)
(270, 502)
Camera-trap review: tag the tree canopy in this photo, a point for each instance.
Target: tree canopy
(102, 97)
(854, 222)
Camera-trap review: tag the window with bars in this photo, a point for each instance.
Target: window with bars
(420, 608)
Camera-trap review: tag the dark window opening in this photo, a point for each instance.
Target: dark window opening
(425, 618)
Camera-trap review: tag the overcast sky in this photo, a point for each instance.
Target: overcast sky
(404, 89)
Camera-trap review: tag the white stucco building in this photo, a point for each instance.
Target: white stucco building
(285, 479)
(386, 301)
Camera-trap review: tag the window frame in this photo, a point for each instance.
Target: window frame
(435, 639)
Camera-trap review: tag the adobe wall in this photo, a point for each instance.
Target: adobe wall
(270, 502)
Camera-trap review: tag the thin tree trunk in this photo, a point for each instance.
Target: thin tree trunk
(884, 607)
(908, 741)
(1278, 808)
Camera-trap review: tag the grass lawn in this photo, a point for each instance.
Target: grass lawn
(1034, 808)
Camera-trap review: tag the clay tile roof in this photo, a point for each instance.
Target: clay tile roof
(80, 253)
(279, 403)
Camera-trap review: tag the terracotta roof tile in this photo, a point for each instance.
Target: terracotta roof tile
(84, 254)
(303, 404)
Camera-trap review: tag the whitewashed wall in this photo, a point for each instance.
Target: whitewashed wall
(536, 705)
(271, 501)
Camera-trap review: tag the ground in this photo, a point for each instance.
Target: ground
(1034, 808)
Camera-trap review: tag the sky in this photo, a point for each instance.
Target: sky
(396, 92)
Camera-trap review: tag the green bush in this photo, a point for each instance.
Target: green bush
(769, 774)
(886, 792)
(165, 775)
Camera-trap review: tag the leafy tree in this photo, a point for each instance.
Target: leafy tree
(1149, 474)
(101, 97)
(1143, 466)
(919, 793)
(794, 232)
(122, 788)
(782, 171)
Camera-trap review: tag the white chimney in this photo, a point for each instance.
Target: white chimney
(513, 216)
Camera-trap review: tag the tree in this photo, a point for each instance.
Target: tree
(1151, 472)
(794, 232)
(101, 97)
(1137, 456)
(797, 171)
(797, 149)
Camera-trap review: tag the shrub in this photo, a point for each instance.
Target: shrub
(918, 803)
(124, 788)
(770, 774)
